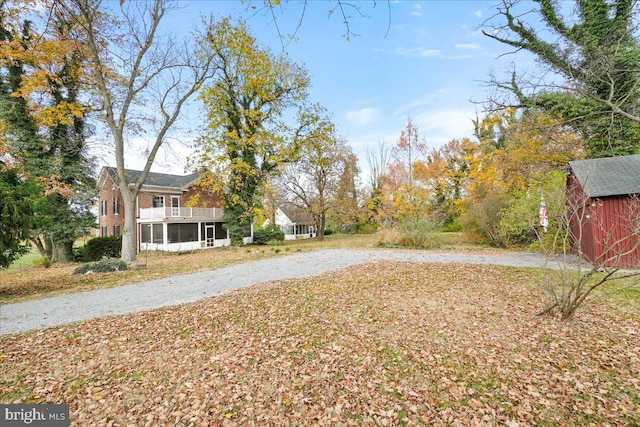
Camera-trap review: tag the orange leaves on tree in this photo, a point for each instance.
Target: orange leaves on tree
(54, 184)
(41, 61)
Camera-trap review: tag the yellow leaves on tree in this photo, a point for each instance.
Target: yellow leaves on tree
(516, 153)
(41, 60)
(405, 193)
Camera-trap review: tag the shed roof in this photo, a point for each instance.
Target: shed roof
(609, 176)
(155, 179)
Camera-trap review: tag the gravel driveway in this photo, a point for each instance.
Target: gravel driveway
(52, 311)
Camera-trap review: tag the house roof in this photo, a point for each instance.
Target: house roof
(155, 179)
(609, 176)
(296, 215)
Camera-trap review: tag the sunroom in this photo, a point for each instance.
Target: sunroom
(181, 229)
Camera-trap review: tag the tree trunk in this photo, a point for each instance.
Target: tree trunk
(40, 246)
(61, 251)
(321, 227)
(129, 250)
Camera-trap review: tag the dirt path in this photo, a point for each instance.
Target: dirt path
(52, 311)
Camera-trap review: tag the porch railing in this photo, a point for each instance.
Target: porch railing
(213, 214)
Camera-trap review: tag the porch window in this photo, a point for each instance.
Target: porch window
(145, 233)
(158, 234)
(179, 233)
(221, 232)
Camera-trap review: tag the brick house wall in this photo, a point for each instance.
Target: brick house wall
(111, 219)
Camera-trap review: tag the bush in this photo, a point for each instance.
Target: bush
(412, 233)
(102, 266)
(367, 228)
(266, 235)
(451, 226)
(101, 247)
(42, 262)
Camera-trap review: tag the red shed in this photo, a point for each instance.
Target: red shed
(604, 210)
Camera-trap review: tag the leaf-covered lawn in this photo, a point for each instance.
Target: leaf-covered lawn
(378, 344)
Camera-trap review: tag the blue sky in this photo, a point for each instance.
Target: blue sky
(427, 60)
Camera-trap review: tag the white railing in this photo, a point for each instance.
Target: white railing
(214, 214)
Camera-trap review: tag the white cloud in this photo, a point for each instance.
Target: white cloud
(477, 14)
(418, 104)
(439, 126)
(363, 116)
(418, 52)
(468, 46)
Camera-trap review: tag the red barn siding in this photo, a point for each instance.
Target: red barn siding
(604, 230)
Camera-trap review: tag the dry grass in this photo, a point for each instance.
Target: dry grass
(378, 344)
(36, 282)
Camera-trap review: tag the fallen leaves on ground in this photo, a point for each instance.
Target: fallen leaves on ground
(378, 344)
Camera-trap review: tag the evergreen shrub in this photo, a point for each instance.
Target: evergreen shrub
(266, 235)
(101, 247)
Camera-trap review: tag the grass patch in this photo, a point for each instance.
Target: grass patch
(26, 261)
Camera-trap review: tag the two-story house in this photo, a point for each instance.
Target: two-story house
(163, 220)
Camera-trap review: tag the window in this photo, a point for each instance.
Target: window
(103, 231)
(145, 233)
(116, 206)
(182, 232)
(158, 234)
(116, 230)
(221, 233)
(175, 206)
(158, 202)
(103, 207)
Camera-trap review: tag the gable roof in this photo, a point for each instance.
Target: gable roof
(609, 176)
(296, 215)
(154, 179)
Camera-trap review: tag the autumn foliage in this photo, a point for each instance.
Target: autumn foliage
(489, 186)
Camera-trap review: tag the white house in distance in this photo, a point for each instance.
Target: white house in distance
(295, 223)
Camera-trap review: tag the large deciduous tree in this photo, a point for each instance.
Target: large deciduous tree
(594, 49)
(378, 162)
(142, 77)
(245, 105)
(312, 182)
(349, 213)
(514, 159)
(443, 174)
(410, 148)
(43, 122)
